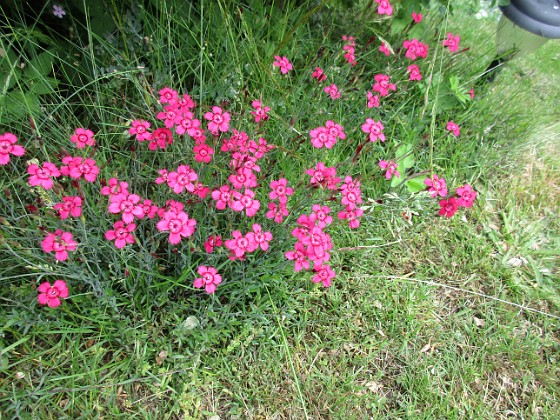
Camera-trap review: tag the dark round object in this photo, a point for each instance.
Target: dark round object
(541, 17)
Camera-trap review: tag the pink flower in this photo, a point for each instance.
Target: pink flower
(415, 49)
(161, 137)
(60, 243)
(186, 123)
(391, 168)
(448, 207)
(8, 146)
(417, 17)
(245, 201)
(384, 7)
(140, 129)
(201, 190)
(171, 115)
(280, 190)
(203, 153)
(351, 197)
(471, 93)
(319, 74)
(372, 100)
(259, 238)
(211, 242)
(114, 187)
(209, 279)
(317, 244)
(163, 176)
(454, 128)
(277, 213)
(437, 185)
(374, 129)
(452, 42)
(383, 48)
(149, 209)
(299, 255)
(243, 177)
(182, 179)
(414, 72)
(333, 91)
(283, 63)
(335, 130)
(320, 137)
(121, 234)
(42, 175)
(350, 49)
(178, 224)
(466, 196)
(71, 205)
(168, 95)
(324, 274)
(352, 215)
(260, 112)
(219, 120)
(82, 137)
(323, 176)
(223, 197)
(320, 216)
(76, 167)
(186, 103)
(240, 244)
(127, 204)
(51, 295)
(382, 84)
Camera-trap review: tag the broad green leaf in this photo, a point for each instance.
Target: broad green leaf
(415, 185)
(39, 66)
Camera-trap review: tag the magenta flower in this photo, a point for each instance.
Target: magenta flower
(324, 274)
(283, 63)
(384, 7)
(51, 295)
(415, 49)
(372, 100)
(240, 244)
(333, 91)
(280, 190)
(319, 74)
(161, 137)
(203, 153)
(417, 17)
(149, 209)
(76, 167)
(260, 112)
(114, 187)
(471, 93)
(437, 185)
(209, 279)
(168, 95)
(212, 242)
(299, 255)
(42, 175)
(452, 42)
(70, 206)
(127, 204)
(223, 197)
(140, 129)
(162, 178)
(182, 179)
(277, 213)
(170, 115)
(414, 72)
(453, 128)
(317, 244)
(177, 224)
(335, 130)
(243, 177)
(320, 137)
(391, 168)
(320, 216)
(382, 84)
(219, 120)
(448, 207)
(466, 196)
(121, 234)
(259, 238)
(201, 190)
(9, 147)
(383, 48)
(186, 123)
(323, 176)
(245, 201)
(82, 137)
(352, 215)
(374, 129)
(350, 48)
(60, 243)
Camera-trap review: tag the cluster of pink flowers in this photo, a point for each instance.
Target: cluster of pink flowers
(449, 205)
(241, 244)
(319, 75)
(260, 111)
(452, 42)
(333, 91)
(417, 17)
(327, 135)
(415, 49)
(350, 49)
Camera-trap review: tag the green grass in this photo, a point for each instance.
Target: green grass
(427, 317)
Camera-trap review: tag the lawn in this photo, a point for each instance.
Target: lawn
(426, 316)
